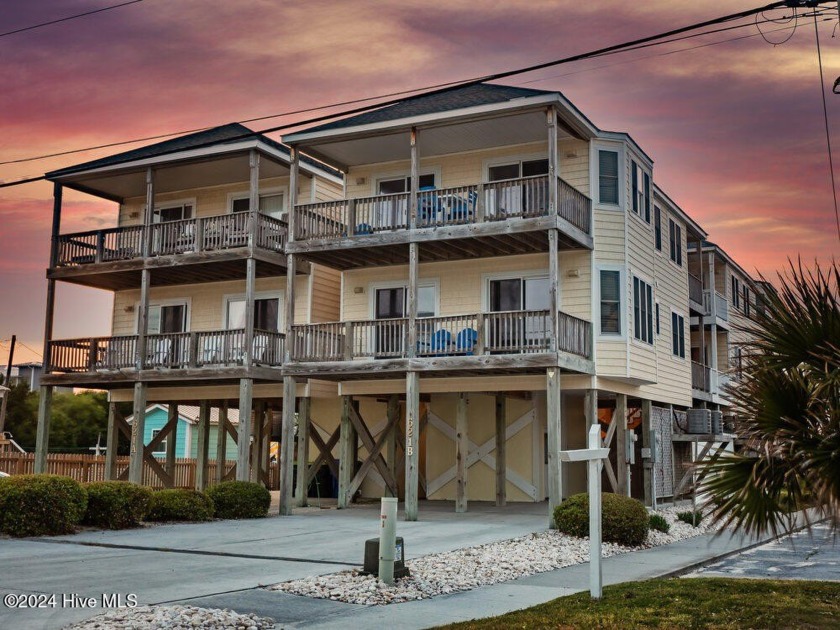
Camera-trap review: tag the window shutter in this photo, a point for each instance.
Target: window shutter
(635, 186)
(647, 197)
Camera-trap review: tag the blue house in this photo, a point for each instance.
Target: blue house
(186, 445)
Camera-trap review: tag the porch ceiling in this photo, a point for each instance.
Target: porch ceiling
(434, 139)
(183, 175)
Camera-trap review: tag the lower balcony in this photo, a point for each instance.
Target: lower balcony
(510, 341)
(198, 355)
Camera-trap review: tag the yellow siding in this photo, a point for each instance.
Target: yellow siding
(326, 294)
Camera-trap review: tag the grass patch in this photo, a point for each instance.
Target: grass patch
(719, 603)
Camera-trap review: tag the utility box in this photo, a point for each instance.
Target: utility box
(699, 421)
(372, 558)
(717, 422)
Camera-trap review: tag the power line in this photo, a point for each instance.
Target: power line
(68, 18)
(827, 132)
(434, 90)
(30, 349)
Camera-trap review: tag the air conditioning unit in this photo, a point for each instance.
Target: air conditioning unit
(717, 422)
(699, 421)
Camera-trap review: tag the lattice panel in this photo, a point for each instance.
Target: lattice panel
(664, 467)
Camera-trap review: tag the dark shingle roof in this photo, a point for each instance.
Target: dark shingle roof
(224, 134)
(470, 96)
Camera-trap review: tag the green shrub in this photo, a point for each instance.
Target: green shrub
(658, 522)
(239, 499)
(116, 504)
(180, 504)
(40, 505)
(692, 518)
(623, 520)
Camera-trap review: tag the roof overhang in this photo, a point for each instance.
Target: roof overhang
(692, 225)
(441, 133)
(212, 165)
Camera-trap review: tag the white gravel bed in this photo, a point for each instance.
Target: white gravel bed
(172, 617)
(471, 567)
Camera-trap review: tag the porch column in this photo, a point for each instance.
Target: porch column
(621, 463)
(243, 446)
(42, 435)
(648, 476)
(172, 439)
(294, 168)
(201, 467)
(415, 179)
(346, 448)
(461, 453)
(145, 275)
(111, 443)
(553, 288)
(256, 440)
(221, 443)
(304, 419)
(555, 428)
(390, 446)
(253, 199)
(50, 310)
(553, 170)
(287, 446)
(590, 406)
(713, 307)
(138, 428)
(501, 450)
(412, 450)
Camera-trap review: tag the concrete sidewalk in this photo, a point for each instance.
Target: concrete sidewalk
(290, 611)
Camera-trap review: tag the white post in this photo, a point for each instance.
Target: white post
(595, 580)
(387, 539)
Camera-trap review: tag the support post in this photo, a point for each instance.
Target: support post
(622, 465)
(554, 420)
(553, 172)
(143, 320)
(138, 426)
(256, 440)
(590, 406)
(150, 212)
(411, 298)
(287, 446)
(412, 450)
(304, 420)
(553, 287)
(253, 199)
(289, 306)
(243, 447)
(346, 459)
(415, 180)
(294, 174)
(202, 456)
(390, 446)
(221, 444)
(250, 289)
(648, 477)
(501, 450)
(42, 436)
(461, 454)
(111, 443)
(50, 310)
(172, 439)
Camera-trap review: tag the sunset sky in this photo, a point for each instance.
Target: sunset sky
(736, 129)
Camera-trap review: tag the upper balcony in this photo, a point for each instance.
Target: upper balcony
(476, 171)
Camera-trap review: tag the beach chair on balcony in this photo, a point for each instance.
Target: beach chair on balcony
(466, 341)
(261, 352)
(440, 343)
(159, 353)
(462, 210)
(211, 351)
(428, 206)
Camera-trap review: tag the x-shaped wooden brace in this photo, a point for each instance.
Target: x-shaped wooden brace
(324, 453)
(374, 458)
(234, 434)
(608, 467)
(148, 450)
(691, 467)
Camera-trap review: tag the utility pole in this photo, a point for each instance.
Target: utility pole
(6, 382)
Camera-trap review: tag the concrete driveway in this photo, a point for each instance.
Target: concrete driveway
(174, 562)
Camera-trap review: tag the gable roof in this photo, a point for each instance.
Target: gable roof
(189, 413)
(470, 96)
(221, 135)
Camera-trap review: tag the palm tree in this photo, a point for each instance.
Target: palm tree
(788, 408)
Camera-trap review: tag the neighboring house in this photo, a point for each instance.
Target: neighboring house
(29, 373)
(186, 444)
(478, 276)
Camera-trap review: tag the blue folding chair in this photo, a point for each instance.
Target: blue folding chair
(466, 341)
(428, 206)
(441, 342)
(462, 210)
(364, 228)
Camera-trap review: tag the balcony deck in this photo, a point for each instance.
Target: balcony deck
(488, 219)
(512, 342)
(201, 249)
(190, 356)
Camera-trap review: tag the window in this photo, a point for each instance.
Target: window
(610, 302)
(634, 186)
(640, 183)
(657, 228)
(161, 448)
(736, 292)
(266, 314)
(515, 170)
(760, 304)
(675, 236)
(657, 318)
(746, 301)
(270, 204)
(391, 302)
(642, 311)
(608, 177)
(678, 335)
(403, 184)
(172, 213)
(169, 318)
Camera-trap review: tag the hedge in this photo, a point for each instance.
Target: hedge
(623, 520)
(240, 499)
(116, 504)
(180, 504)
(40, 505)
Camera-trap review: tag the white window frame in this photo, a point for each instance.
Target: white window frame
(632, 302)
(384, 176)
(174, 203)
(263, 192)
(622, 307)
(162, 445)
(488, 163)
(259, 295)
(487, 278)
(186, 302)
(373, 287)
(676, 244)
(686, 354)
(595, 175)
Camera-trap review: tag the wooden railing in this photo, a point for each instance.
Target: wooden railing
(166, 351)
(700, 376)
(226, 231)
(523, 197)
(509, 332)
(695, 289)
